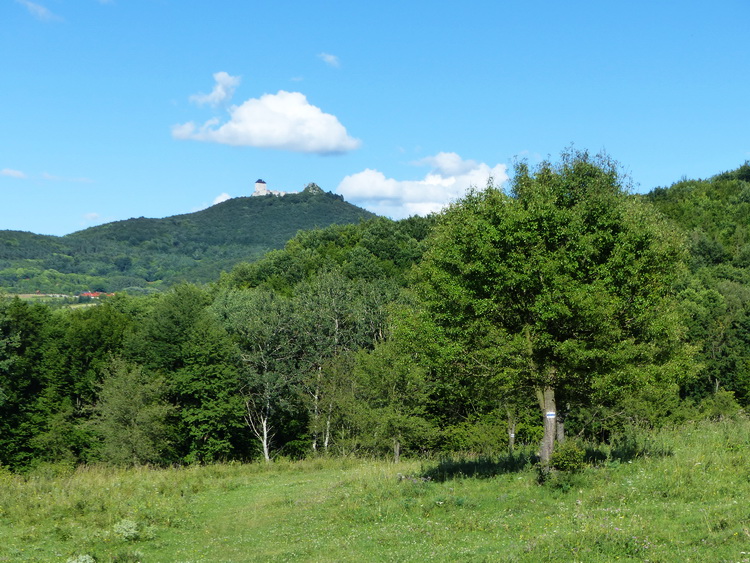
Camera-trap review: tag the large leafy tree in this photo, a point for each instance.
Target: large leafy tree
(22, 328)
(132, 415)
(207, 390)
(182, 341)
(567, 278)
(78, 345)
(392, 394)
(263, 326)
(333, 315)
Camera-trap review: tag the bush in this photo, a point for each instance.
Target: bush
(81, 559)
(720, 405)
(568, 456)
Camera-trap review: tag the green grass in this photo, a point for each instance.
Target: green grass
(688, 501)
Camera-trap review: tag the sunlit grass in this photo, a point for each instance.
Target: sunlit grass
(688, 503)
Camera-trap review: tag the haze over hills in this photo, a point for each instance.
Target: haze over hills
(142, 253)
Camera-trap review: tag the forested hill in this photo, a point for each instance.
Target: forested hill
(142, 253)
(714, 214)
(389, 337)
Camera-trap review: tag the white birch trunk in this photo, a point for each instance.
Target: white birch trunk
(259, 422)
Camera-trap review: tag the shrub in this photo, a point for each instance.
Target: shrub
(720, 405)
(568, 456)
(127, 530)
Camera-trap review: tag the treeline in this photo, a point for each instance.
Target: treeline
(438, 334)
(714, 214)
(255, 364)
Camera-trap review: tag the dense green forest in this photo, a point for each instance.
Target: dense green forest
(142, 255)
(459, 332)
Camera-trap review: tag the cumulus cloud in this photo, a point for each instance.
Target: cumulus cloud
(449, 179)
(12, 173)
(448, 164)
(330, 60)
(218, 199)
(285, 120)
(222, 92)
(38, 11)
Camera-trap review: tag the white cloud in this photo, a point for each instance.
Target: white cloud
(449, 179)
(12, 173)
(330, 60)
(285, 120)
(43, 176)
(448, 164)
(218, 199)
(91, 217)
(38, 11)
(222, 92)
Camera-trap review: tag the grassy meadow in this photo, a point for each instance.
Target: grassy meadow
(681, 496)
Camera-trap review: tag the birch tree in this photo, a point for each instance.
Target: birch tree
(262, 324)
(334, 315)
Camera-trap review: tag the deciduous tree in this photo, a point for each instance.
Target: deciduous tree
(131, 415)
(568, 276)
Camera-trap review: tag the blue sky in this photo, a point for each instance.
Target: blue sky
(126, 108)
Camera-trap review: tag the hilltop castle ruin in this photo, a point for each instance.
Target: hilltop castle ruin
(261, 189)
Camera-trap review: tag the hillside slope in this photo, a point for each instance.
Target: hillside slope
(142, 252)
(715, 297)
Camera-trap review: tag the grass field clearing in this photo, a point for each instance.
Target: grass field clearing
(688, 503)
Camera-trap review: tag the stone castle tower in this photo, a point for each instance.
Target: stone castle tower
(261, 189)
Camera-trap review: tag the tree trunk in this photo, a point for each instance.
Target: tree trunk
(546, 396)
(511, 431)
(562, 415)
(559, 431)
(259, 421)
(327, 437)
(316, 411)
(266, 440)
(396, 450)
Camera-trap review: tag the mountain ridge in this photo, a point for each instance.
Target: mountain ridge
(149, 252)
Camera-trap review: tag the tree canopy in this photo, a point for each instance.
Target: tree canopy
(566, 278)
(435, 334)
